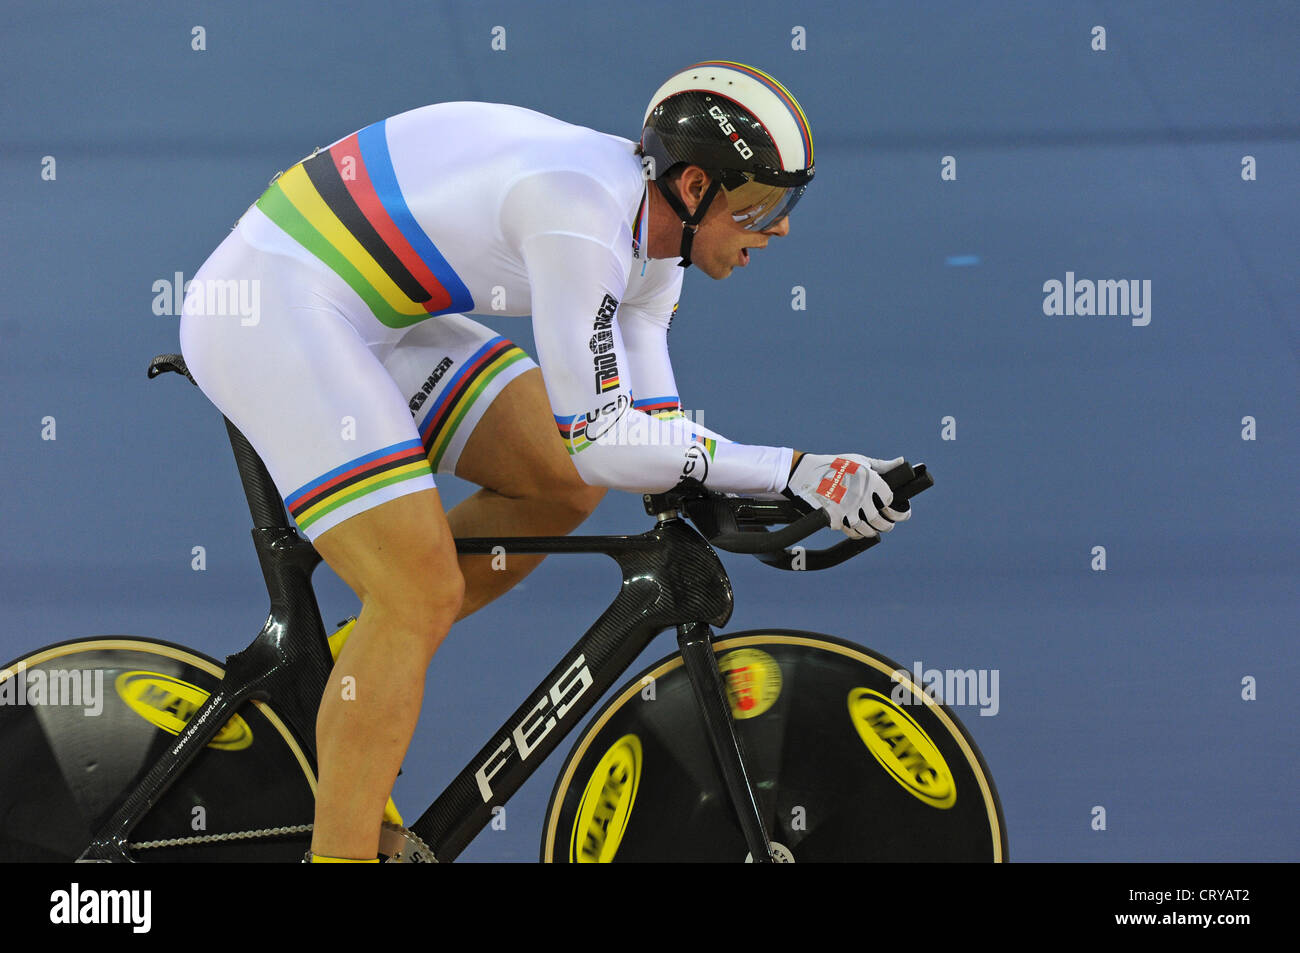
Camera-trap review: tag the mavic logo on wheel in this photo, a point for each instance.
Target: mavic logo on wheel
(903, 748)
(169, 704)
(527, 736)
(606, 804)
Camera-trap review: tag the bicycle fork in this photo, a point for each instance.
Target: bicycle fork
(695, 639)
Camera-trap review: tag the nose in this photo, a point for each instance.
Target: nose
(781, 228)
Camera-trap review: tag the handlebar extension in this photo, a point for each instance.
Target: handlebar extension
(737, 524)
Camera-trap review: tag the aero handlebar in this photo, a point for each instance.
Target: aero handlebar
(736, 524)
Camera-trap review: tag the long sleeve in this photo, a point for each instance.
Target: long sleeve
(645, 326)
(577, 277)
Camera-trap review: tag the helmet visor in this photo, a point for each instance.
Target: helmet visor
(757, 206)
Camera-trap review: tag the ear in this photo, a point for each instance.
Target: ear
(692, 184)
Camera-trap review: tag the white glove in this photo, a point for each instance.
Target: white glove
(849, 487)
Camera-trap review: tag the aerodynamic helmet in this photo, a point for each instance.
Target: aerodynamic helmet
(742, 127)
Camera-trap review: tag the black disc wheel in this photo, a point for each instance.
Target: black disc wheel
(849, 761)
(81, 722)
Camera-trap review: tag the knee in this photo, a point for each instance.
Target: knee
(446, 593)
(573, 500)
(439, 602)
(423, 607)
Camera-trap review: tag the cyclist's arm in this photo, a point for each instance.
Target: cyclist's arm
(645, 328)
(575, 245)
(575, 282)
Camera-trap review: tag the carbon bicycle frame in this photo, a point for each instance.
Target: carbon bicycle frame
(671, 577)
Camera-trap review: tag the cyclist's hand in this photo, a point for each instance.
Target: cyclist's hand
(849, 487)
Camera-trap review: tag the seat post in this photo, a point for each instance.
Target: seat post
(264, 503)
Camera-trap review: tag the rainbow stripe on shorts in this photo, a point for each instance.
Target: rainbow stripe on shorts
(356, 479)
(442, 420)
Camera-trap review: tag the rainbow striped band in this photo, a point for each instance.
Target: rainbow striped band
(665, 408)
(356, 479)
(573, 431)
(443, 419)
(783, 94)
(344, 205)
(639, 224)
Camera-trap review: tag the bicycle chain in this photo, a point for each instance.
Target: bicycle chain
(410, 849)
(218, 838)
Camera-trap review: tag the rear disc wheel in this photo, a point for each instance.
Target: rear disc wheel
(85, 720)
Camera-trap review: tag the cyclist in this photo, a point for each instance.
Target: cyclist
(359, 375)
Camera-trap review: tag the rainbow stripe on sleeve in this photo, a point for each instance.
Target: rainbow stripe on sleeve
(344, 205)
(708, 443)
(573, 431)
(664, 408)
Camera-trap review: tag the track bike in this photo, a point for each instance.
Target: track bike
(768, 745)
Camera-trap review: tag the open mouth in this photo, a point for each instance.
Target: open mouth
(744, 257)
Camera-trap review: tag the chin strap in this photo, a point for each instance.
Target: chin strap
(689, 222)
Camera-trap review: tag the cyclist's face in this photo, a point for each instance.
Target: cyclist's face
(721, 243)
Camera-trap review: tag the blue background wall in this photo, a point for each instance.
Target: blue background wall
(1119, 688)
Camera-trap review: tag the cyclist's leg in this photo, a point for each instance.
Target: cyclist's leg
(400, 560)
(483, 414)
(529, 486)
(338, 440)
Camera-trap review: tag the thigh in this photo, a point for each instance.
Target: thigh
(305, 389)
(516, 449)
(459, 378)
